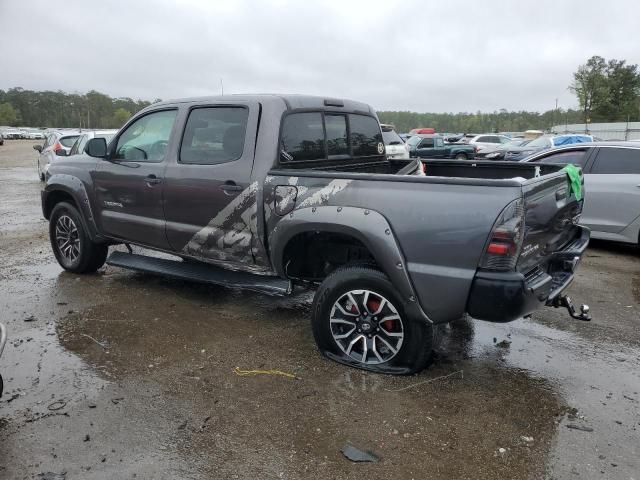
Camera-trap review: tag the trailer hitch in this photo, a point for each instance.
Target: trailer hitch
(565, 301)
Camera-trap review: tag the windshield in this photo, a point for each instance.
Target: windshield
(413, 141)
(539, 142)
(391, 138)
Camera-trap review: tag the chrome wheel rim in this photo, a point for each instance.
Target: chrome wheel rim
(67, 238)
(366, 327)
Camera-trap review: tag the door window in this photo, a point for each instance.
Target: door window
(214, 135)
(617, 160)
(147, 138)
(439, 143)
(426, 143)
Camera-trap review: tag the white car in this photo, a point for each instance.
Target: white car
(81, 141)
(55, 144)
(488, 140)
(394, 145)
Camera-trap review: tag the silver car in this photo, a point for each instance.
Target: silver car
(612, 186)
(56, 143)
(81, 142)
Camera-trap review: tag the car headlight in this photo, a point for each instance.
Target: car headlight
(493, 155)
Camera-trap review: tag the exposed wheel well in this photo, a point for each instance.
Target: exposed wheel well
(55, 197)
(311, 256)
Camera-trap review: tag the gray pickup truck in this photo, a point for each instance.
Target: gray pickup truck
(268, 192)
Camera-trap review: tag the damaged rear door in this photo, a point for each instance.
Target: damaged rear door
(210, 203)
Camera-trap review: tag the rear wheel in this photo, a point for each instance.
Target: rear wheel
(461, 156)
(358, 319)
(70, 242)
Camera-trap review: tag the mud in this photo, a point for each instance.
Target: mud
(125, 375)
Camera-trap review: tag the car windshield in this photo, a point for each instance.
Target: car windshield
(391, 138)
(413, 141)
(539, 142)
(68, 141)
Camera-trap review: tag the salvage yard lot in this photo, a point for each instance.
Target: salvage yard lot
(119, 373)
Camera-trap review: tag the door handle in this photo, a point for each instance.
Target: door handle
(152, 180)
(229, 187)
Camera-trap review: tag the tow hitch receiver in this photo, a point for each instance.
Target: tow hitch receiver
(565, 301)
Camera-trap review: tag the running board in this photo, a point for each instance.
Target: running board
(201, 272)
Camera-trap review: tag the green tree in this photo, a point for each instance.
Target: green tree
(120, 116)
(623, 92)
(8, 115)
(591, 86)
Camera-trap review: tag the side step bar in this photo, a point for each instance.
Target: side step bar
(201, 272)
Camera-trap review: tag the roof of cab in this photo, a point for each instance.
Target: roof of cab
(291, 101)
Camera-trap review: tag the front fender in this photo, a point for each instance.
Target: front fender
(368, 226)
(73, 187)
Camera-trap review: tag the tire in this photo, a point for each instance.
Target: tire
(71, 243)
(401, 345)
(461, 156)
(40, 172)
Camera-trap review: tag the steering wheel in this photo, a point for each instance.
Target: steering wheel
(158, 149)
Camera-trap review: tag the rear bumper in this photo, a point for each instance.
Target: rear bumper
(507, 296)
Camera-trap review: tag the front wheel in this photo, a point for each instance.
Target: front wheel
(461, 156)
(358, 319)
(71, 243)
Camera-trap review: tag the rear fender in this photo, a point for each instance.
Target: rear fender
(367, 226)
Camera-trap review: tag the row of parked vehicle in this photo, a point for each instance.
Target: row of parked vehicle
(8, 133)
(611, 169)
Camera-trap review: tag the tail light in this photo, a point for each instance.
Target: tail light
(56, 147)
(505, 241)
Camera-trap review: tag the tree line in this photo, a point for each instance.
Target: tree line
(606, 90)
(29, 108)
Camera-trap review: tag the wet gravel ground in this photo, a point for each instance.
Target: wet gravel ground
(125, 375)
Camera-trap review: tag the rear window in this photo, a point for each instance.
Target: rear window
(391, 138)
(312, 136)
(68, 141)
(366, 139)
(617, 160)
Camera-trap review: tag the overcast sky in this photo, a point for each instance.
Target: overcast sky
(444, 56)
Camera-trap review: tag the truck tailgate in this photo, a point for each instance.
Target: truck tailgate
(551, 217)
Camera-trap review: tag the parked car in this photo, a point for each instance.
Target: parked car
(434, 146)
(1, 139)
(57, 143)
(81, 142)
(498, 152)
(12, 134)
(488, 140)
(197, 178)
(515, 154)
(612, 181)
(394, 145)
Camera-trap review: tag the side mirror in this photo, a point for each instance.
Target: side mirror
(96, 147)
(61, 152)
(38, 148)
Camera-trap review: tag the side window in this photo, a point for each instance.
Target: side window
(302, 137)
(504, 139)
(214, 135)
(366, 137)
(336, 127)
(483, 140)
(146, 139)
(617, 160)
(426, 143)
(75, 149)
(439, 143)
(576, 157)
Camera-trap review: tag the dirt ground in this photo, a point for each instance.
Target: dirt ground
(123, 375)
